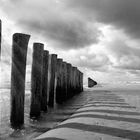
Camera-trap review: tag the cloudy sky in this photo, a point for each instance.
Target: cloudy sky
(101, 37)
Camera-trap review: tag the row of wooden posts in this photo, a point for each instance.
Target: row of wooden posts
(52, 80)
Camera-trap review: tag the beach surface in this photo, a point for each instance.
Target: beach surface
(129, 93)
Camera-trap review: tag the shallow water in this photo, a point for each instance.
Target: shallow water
(5, 128)
(130, 92)
(33, 128)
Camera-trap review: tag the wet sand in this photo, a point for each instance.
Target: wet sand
(105, 116)
(130, 94)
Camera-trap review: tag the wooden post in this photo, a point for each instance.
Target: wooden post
(74, 79)
(59, 85)
(78, 80)
(45, 81)
(36, 80)
(19, 55)
(68, 80)
(82, 81)
(52, 79)
(64, 65)
(91, 82)
(0, 37)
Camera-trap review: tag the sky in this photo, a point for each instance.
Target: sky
(100, 37)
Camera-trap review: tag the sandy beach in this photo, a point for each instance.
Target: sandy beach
(129, 92)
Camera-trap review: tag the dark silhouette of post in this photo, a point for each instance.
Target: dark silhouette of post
(74, 80)
(78, 81)
(81, 81)
(0, 37)
(64, 76)
(45, 81)
(91, 82)
(68, 80)
(53, 67)
(36, 80)
(19, 55)
(59, 85)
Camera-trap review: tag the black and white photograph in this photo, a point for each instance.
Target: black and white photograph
(69, 69)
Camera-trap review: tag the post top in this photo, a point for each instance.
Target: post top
(46, 51)
(20, 34)
(68, 64)
(54, 55)
(38, 43)
(75, 67)
(60, 59)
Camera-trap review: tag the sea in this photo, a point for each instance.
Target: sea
(129, 91)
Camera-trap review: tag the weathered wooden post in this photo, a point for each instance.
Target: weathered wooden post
(64, 65)
(74, 79)
(19, 55)
(59, 85)
(0, 37)
(68, 80)
(53, 66)
(36, 80)
(91, 82)
(45, 81)
(78, 80)
(82, 81)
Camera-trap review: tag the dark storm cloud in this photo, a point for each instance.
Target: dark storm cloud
(60, 27)
(70, 23)
(74, 24)
(64, 34)
(123, 14)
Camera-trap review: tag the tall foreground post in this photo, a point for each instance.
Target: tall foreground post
(36, 80)
(45, 81)
(53, 66)
(0, 37)
(19, 54)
